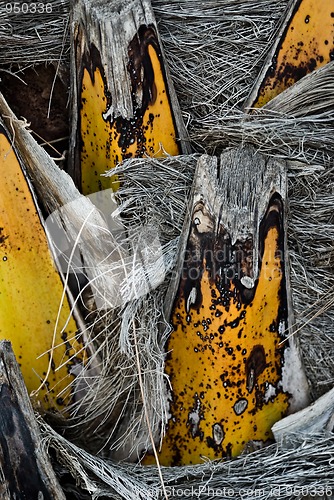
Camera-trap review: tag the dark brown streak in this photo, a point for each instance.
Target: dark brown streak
(140, 66)
(271, 70)
(90, 60)
(255, 365)
(227, 264)
(274, 217)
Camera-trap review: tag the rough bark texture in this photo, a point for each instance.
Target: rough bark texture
(114, 40)
(25, 469)
(313, 420)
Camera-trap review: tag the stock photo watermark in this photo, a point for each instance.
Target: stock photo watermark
(279, 491)
(21, 8)
(26, 8)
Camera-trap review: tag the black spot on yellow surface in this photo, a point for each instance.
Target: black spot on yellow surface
(307, 43)
(106, 139)
(236, 352)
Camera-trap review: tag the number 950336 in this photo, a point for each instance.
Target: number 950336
(28, 8)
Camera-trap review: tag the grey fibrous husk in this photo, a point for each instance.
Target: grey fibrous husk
(268, 473)
(214, 50)
(143, 209)
(28, 38)
(297, 124)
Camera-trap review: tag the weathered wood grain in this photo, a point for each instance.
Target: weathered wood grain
(233, 371)
(315, 419)
(123, 100)
(25, 468)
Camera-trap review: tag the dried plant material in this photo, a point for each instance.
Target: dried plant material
(296, 125)
(316, 418)
(31, 37)
(304, 43)
(231, 370)
(43, 328)
(215, 50)
(20, 439)
(123, 101)
(268, 473)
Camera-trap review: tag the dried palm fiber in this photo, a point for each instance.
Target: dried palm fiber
(82, 221)
(214, 49)
(85, 225)
(154, 202)
(298, 125)
(108, 395)
(269, 473)
(212, 78)
(31, 38)
(149, 201)
(302, 114)
(153, 240)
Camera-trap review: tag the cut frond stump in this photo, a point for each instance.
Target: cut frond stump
(232, 361)
(25, 468)
(36, 313)
(123, 101)
(304, 42)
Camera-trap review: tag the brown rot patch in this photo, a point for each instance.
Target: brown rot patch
(3, 238)
(255, 365)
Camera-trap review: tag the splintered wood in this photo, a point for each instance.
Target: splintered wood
(25, 468)
(232, 369)
(123, 103)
